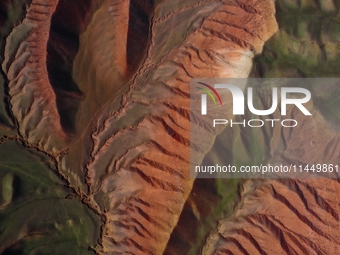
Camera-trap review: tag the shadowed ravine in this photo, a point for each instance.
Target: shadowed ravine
(96, 99)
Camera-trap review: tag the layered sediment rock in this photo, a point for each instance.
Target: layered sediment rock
(33, 101)
(137, 161)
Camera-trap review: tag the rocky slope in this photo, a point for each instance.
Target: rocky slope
(101, 89)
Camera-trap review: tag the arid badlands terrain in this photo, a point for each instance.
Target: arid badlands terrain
(95, 125)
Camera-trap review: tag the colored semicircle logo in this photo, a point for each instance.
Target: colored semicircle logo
(209, 92)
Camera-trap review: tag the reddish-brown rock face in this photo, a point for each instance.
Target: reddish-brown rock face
(32, 97)
(287, 216)
(131, 139)
(126, 154)
(139, 163)
(284, 216)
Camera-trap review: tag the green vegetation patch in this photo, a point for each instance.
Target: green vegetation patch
(35, 216)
